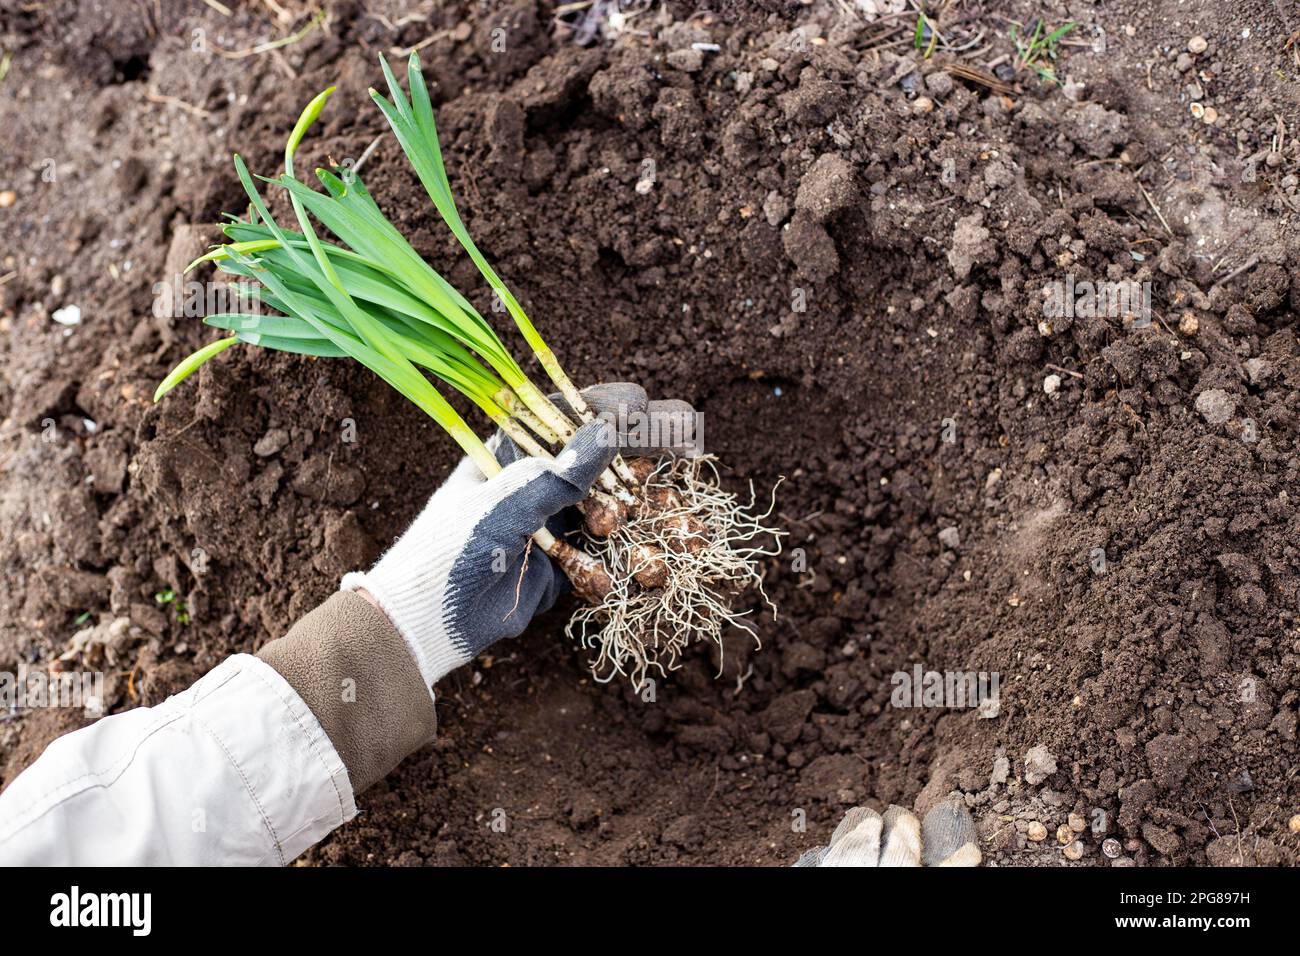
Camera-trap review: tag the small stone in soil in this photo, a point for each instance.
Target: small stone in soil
(1215, 405)
(69, 315)
(1001, 771)
(271, 442)
(940, 83)
(688, 60)
(775, 208)
(1040, 763)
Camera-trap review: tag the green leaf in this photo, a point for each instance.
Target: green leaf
(309, 116)
(318, 347)
(191, 364)
(277, 325)
(1060, 32)
(355, 219)
(417, 133)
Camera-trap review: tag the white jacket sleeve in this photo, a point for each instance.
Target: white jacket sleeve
(234, 770)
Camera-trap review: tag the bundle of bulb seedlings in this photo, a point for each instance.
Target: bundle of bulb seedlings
(664, 549)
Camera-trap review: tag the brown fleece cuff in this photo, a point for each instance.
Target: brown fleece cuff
(351, 667)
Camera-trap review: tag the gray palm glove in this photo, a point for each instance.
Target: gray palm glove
(865, 838)
(645, 428)
(465, 574)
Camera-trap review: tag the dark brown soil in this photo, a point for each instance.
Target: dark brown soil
(918, 216)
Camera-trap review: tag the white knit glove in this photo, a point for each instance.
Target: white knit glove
(464, 574)
(865, 838)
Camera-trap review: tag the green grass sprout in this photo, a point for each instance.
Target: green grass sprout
(924, 26)
(1039, 48)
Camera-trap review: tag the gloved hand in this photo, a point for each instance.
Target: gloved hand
(677, 427)
(464, 574)
(865, 838)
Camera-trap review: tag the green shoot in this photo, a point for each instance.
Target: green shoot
(1038, 49)
(924, 26)
(191, 365)
(180, 611)
(413, 124)
(377, 302)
